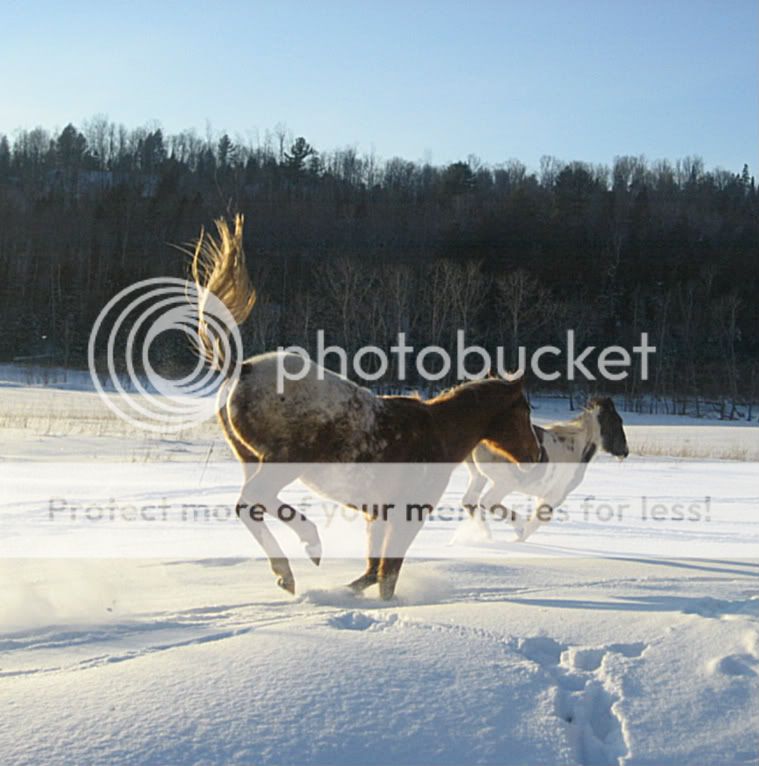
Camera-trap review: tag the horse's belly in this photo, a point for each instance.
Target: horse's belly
(398, 487)
(550, 483)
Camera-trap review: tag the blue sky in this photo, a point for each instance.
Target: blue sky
(583, 80)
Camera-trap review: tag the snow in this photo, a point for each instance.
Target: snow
(625, 641)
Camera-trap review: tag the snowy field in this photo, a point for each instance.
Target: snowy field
(600, 641)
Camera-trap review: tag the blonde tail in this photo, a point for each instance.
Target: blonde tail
(218, 268)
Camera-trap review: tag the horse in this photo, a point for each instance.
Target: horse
(567, 449)
(298, 426)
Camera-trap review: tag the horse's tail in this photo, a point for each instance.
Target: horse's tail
(218, 268)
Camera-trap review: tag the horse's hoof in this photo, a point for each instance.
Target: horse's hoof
(360, 584)
(314, 551)
(287, 583)
(387, 590)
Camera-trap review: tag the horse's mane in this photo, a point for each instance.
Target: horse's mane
(475, 386)
(567, 427)
(571, 427)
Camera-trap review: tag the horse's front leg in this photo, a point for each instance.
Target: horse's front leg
(399, 536)
(542, 514)
(477, 483)
(375, 534)
(491, 503)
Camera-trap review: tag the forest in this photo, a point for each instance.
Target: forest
(364, 248)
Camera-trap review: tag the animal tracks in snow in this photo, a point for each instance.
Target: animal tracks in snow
(735, 665)
(543, 650)
(586, 700)
(355, 620)
(585, 695)
(744, 663)
(724, 609)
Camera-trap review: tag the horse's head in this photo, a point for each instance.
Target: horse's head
(613, 439)
(511, 431)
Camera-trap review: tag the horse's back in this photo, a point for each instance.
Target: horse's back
(286, 412)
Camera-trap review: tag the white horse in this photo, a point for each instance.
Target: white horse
(567, 449)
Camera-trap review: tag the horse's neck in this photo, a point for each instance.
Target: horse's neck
(585, 431)
(462, 420)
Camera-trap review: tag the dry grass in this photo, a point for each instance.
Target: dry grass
(703, 451)
(33, 420)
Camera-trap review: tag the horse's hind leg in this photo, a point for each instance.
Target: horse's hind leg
(258, 497)
(306, 530)
(261, 497)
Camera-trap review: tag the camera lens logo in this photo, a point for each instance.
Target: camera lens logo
(123, 333)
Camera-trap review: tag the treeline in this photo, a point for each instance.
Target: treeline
(367, 248)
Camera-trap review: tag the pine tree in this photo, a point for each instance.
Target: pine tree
(299, 152)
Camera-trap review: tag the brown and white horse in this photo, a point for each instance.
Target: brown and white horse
(322, 417)
(567, 448)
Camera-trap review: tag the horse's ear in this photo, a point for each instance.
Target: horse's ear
(516, 377)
